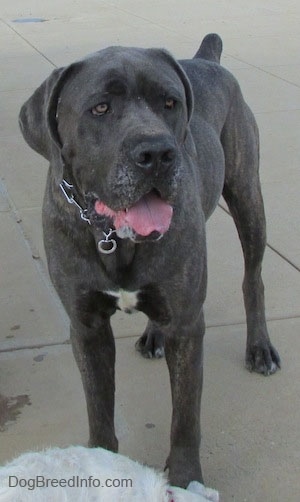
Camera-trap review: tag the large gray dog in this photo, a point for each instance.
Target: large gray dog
(141, 147)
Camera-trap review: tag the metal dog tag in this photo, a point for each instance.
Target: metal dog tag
(107, 245)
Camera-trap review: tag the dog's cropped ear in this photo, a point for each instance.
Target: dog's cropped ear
(189, 97)
(187, 87)
(38, 117)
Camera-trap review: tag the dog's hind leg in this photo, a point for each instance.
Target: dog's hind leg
(151, 343)
(242, 193)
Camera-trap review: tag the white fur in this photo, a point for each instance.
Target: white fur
(127, 300)
(94, 464)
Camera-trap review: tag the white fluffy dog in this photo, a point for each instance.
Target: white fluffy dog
(79, 474)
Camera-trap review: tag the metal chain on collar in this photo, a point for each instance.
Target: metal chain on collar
(106, 245)
(66, 189)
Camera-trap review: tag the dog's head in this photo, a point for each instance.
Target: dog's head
(116, 122)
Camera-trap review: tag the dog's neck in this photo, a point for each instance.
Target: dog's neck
(117, 262)
(116, 254)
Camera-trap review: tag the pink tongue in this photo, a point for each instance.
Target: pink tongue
(149, 214)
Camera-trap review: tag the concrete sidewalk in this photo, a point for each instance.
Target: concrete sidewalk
(250, 424)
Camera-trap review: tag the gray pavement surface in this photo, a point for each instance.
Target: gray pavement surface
(250, 424)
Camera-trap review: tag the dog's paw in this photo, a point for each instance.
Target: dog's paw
(151, 344)
(262, 358)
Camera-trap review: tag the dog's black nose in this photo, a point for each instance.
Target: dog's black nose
(154, 153)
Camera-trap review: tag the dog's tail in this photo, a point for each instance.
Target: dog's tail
(211, 48)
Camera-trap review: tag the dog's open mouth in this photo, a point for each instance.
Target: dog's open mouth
(150, 214)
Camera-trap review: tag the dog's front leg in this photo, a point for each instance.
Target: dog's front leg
(184, 355)
(94, 351)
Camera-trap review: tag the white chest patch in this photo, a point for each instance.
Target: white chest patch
(126, 300)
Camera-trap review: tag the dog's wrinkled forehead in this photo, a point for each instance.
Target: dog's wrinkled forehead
(125, 71)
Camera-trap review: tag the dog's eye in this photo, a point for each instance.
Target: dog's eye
(100, 109)
(170, 103)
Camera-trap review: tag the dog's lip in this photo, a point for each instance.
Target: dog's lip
(128, 233)
(93, 197)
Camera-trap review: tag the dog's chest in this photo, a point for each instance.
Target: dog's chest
(148, 299)
(125, 300)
